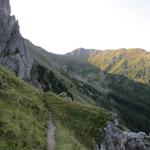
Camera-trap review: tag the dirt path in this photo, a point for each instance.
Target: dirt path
(51, 135)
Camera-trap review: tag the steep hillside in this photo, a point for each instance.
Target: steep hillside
(85, 83)
(133, 63)
(85, 122)
(23, 116)
(127, 98)
(90, 84)
(25, 112)
(43, 57)
(47, 67)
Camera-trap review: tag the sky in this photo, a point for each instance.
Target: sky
(60, 26)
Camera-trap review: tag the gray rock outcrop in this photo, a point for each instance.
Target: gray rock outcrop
(65, 96)
(116, 139)
(14, 54)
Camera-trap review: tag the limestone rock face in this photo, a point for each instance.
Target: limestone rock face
(116, 139)
(13, 52)
(5, 7)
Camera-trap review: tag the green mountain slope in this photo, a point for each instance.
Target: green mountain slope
(23, 117)
(85, 122)
(125, 97)
(119, 92)
(133, 63)
(57, 65)
(120, 86)
(25, 112)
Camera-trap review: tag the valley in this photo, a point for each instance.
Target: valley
(86, 99)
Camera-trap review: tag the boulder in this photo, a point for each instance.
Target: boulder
(116, 139)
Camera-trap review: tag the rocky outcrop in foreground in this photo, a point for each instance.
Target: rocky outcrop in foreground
(116, 139)
(13, 52)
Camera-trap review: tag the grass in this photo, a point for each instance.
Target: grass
(85, 122)
(24, 118)
(65, 140)
(137, 62)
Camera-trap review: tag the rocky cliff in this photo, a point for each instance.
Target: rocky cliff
(116, 139)
(13, 52)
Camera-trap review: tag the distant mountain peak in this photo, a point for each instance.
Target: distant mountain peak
(80, 54)
(81, 51)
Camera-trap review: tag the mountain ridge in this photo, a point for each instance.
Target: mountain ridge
(105, 89)
(133, 63)
(81, 89)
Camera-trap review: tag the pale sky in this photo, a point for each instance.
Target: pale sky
(60, 26)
